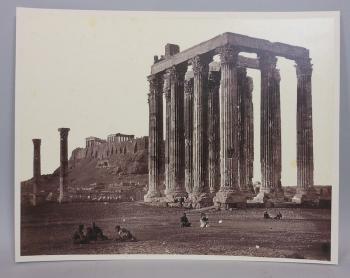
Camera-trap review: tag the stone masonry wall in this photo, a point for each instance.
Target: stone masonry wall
(106, 150)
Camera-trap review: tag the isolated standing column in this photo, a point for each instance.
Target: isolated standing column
(63, 163)
(36, 169)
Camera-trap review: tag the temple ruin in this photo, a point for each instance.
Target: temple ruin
(208, 153)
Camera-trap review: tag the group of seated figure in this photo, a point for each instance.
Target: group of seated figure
(203, 221)
(268, 216)
(95, 233)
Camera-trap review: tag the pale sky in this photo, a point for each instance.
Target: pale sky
(87, 70)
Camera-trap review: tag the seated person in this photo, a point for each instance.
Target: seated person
(97, 231)
(123, 234)
(204, 221)
(278, 216)
(266, 215)
(79, 236)
(184, 221)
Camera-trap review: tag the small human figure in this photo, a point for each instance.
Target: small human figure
(278, 216)
(79, 237)
(94, 233)
(98, 232)
(184, 221)
(204, 221)
(266, 215)
(123, 234)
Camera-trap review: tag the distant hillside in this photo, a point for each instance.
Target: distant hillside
(102, 164)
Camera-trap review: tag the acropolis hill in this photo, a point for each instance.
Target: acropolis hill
(119, 159)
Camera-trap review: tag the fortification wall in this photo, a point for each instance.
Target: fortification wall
(108, 149)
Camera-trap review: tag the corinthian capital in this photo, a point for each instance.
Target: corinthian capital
(177, 73)
(155, 83)
(64, 132)
(303, 66)
(228, 54)
(200, 64)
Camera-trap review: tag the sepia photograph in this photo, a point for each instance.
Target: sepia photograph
(176, 135)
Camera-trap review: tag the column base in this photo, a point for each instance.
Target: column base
(264, 197)
(63, 199)
(174, 197)
(200, 200)
(306, 196)
(229, 198)
(152, 196)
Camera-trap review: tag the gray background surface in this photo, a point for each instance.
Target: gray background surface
(86, 269)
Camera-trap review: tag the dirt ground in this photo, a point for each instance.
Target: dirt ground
(301, 234)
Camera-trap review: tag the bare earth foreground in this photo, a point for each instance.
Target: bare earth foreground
(301, 234)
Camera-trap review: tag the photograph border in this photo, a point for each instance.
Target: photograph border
(335, 185)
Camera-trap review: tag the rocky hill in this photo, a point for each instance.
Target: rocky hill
(101, 165)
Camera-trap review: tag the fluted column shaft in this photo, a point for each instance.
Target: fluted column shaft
(250, 131)
(176, 169)
(229, 192)
(188, 121)
(246, 130)
(305, 161)
(242, 118)
(214, 130)
(155, 139)
(270, 125)
(63, 163)
(167, 94)
(200, 71)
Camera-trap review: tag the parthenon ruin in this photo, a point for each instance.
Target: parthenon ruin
(207, 157)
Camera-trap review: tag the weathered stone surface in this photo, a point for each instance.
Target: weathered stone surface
(212, 112)
(155, 143)
(176, 168)
(305, 159)
(167, 94)
(246, 132)
(229, 149)
(270, 131)
(214, 130)
(200, 185)
(188, 113)
(244, 43)
(63, 165)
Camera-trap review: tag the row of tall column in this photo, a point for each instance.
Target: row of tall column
(203, 132)
(209, 137)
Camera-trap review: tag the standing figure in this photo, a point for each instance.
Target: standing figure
(184, 221)
(204, 221)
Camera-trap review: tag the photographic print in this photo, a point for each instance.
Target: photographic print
(168, 135)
